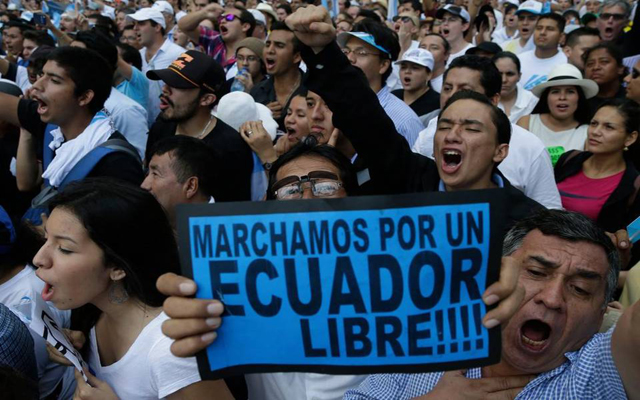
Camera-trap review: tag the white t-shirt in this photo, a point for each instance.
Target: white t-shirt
(514, 45)
(17, 294)
(148, 370)
(558, 142)
(129, 118)
(527, 167)
(458, 54)
(436, 83)
(535, 70)
(500, 36)
(300, 386)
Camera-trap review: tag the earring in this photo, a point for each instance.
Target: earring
(117, 293)
(626, 148)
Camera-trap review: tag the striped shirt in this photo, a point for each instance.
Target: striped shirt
(404, 118)
(589, 373)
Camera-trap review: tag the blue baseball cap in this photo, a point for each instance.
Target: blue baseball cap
(368, 38)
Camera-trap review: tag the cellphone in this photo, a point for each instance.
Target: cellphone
(39, 19)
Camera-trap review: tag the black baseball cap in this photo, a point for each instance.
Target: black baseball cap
(487, 47)
(191, 70)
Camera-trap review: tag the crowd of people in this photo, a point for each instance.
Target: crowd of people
(114, 112)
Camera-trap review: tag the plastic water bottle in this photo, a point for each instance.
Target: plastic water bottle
(237, 85)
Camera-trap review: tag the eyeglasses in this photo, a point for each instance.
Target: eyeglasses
(323, 185)
(616, 17)
(247, 59)
(359, 52)
(228, 18)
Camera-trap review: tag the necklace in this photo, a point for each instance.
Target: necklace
(294, 88)
(201, 135)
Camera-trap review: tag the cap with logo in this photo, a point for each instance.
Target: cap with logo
(530, 6)
(148, 14)
(418, 56)
(453, 10)
(191, 70)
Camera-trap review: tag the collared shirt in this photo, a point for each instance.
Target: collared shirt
(165, 55)
(589, 373)
(495, 178)
(404, 118)
(525, 103)
(214, 47)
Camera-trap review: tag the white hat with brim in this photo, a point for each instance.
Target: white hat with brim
(567, 75)
(266, 8)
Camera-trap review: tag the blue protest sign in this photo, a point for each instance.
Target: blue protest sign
(358, 285)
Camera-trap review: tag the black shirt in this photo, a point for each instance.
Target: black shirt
(424, 104)
(116, 165)
(231, 150)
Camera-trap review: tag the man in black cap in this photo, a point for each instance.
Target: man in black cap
(191, 89)
(484, 49)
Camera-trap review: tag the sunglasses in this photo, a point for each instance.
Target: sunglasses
(635, 74)
(228, 18)
(616, 17)
(404, 19)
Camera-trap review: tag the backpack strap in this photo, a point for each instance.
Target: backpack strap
(92, 158)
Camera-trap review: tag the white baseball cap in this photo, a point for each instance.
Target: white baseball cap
(163, 6)
(418, 56)
(148, 14)
(259, 17)
(454, 10)
(530, 6)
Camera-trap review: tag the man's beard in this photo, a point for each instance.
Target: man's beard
(182, 113)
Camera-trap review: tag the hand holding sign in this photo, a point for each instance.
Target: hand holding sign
(193, 321)
(93, 388)
(77, 340)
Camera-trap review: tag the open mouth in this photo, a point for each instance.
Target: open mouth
(164, 103)
(42, 106)
(451, 160)
(534, 334)
(445, 32)
(269, 62)
(608, 30)
(47, 292)
(223, 29)
(562, 107)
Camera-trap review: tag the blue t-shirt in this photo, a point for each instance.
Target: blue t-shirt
(137, 88)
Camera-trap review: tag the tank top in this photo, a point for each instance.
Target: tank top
(558, 142)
